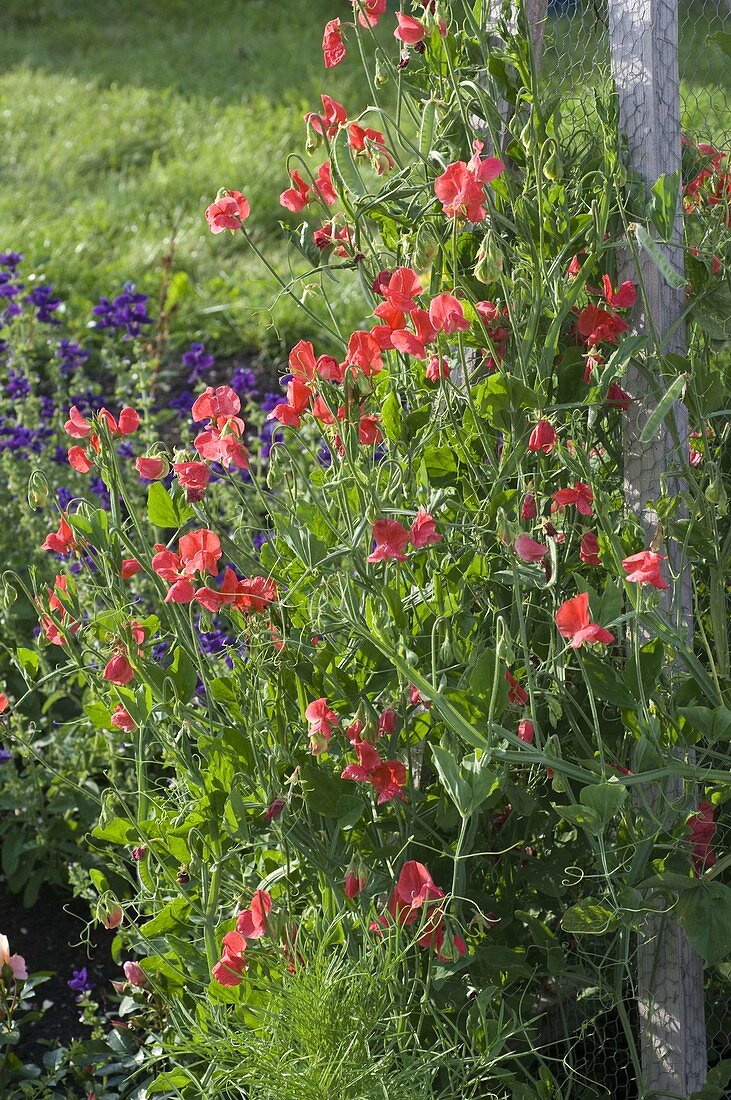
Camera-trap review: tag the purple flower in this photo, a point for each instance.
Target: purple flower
(11, 260)
(182, 403)
(243, 380)
(159, 651)
(64, 497)
(42, 298)
(128, 312)
(80, 983)
(260, 537)
(126, 450)
(198, 361)
(17, 386)
(324, 456)
(47, 407)
(60, 455)
(5, 755)
(98, 487)
(269, 400)
(72, 357)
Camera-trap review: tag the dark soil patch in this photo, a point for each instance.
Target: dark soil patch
(49, 937)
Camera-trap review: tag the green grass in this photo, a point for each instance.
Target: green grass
(119, 121)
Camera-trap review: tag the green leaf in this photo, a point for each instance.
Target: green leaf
(183, 674)
(588, 918)
(584, 816)
(605, 683)
(172, 916)
(654, 250)
(663, 407)
(392, 417)
(714, 725)
(440, 463)
(344, 172)
(664, 204)
(705, 915)
(164, 510)
(118, 831)
(605, 798)
(722, 40)
(29, 661)
(717, 1080)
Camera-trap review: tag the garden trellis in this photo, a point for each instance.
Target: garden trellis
(667, 61)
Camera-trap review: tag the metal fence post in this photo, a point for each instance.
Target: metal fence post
(644, 53)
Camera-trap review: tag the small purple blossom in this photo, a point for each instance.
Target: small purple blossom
(198, 361)
(98, 487)
(80, 983)
(127, 312)
(64, 497)
(182, 403)
(5, 755)
(11, 260)
(71, 356)
(17, 386)
(260, 537)
(243, 381)
(46, 304)
(126, 450)
(269, 401)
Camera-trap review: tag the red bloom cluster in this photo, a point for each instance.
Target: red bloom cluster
(363, 141)
(229, 211)
(573, 622)
(461, 187)
(220, 441)
(78, 427)
(597, 325)
(118, 669)
(644, 568)
(62, 540)
(388, 777)
(321, 720)
(391, 537)
(712, 185)
(415, 898)
(297, 197)
(199, 552)
(50, 625)
(251, 924)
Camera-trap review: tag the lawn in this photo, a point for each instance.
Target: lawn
(120, 120)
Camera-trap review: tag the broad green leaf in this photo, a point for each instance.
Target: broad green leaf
(664, 204)
(605, 683)
(29, 661)
(163, 510)
(172, 916)
(606, 799)
(392, 417)
(705, 915)
(714, 725)
(588, 918)
(584, 816)
(183, 674)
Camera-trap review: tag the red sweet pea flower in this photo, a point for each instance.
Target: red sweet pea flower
(212, 600)
(220, 442)
(543, 437)
(389, 779)
(355, 881)
(323, 185)
(528, 549)
(332, 118)
(516, 692)
(321, 720)
(526, 731)
(423, 530)
(327, 235)
(580, 496)
(274, 809)
(118, 670)
(624, 298)
(79, 461)
(528, 508)
(369, 11)
(410, 31)
(369, 760)
(333, 47)
(702, 829)
(151, 468)
(194, 478)
(364, 354)
(437, 368)
(644, 568)
(233, 964)
(597, 325)
(414, 891)
(289, 412)
(391, 541)
(446, 314)
(62, 540)
(229, 211)
(589, 549)
(295, 198)
(220, 406)
(77, 426)
(402, 290)
(251, 923)
(121, 719)
(255, 594)
(572, 620)
(574, 267)
(199, 552)
(617, 398)
(460, 189)
(302, 361)
(415, 343)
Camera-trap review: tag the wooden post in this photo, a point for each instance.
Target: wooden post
(644, 51)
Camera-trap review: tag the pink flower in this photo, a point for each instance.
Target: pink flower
(516, 692)
(580, 496)
(323, 184)
(364, 354)
(423, 530)
(543, 437)
(251, 923)
(118, 670)
(274, 809)
(199, 552)
(617, 398)
(572, 620)
(589, 549)
(644, 568)
(410, 31)
(134, 974)
(321, 720)
(597, 325)
(369, 11)
(151, 468)
(15, 962)
(446, 314)
(389, 779)
(391, 541)
(702, 829)
(528, 508)
(79, 461)
(402, 289)
(233, 963)
(624, 298)
(333, 47)
(355, 880)
(194, 478)
(113, 917)
(332, 118)
(414, 890)
(526, 731)
(437, 368)
(528, 549)
(369, 759)
(295, 198)
(122, 720)
(229, 211)
(460, 188)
